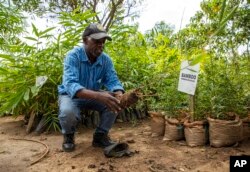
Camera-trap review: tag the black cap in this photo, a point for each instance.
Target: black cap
(96, 31)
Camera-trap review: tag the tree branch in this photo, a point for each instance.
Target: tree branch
(111, 15)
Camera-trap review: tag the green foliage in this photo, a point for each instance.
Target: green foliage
(27, 5)
(164, 75)
(159, 28)
(11, 24)
(24, 63)
(128, 50)
(228, 89)
(52, 122)
(213, 38)
(150, 62)
(41, 54)
(107, 12)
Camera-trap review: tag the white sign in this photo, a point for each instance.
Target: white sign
(188, 78)
(40, 80)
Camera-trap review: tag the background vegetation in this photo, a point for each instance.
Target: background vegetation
(217, 38)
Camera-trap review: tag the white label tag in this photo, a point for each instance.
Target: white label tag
(41, 80)
(188, 78)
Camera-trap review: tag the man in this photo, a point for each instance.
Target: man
(86, 70)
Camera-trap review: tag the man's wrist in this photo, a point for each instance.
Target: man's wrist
(96, 95)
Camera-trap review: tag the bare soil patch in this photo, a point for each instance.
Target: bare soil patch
(151, 154)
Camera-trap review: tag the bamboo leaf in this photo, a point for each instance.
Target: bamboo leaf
(46, 36)
(230, 14)
(46, 31)
(222, 10)
(7, 57)
(12, 102)
(224, 22)
(66, 23)
(30, 38)
(3, 70)
(35, 30)
(53, 81)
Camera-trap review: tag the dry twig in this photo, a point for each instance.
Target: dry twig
(42, 156)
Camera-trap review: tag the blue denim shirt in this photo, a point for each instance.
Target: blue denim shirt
(79, 73)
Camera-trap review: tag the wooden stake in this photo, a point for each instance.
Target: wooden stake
(31, 121)
(191, 107)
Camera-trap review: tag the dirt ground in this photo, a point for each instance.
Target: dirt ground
(150, 154)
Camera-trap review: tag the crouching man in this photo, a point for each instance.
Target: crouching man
(86, 70)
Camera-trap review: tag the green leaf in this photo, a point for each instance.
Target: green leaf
(35, 30)
(27, 94)
(54, 82)
(196, 59)
(7, 57)
(224, 22)
(222, 10)
(12, 102)
(30, 38)
(230, 14)
(67, 24)
(46, 31)
(3, 70)
(46, 36)
(35, 90)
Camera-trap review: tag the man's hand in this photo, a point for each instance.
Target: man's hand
(118, 95)
(109, 100)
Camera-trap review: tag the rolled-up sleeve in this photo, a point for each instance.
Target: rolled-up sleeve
(71, 74)
(111, 81)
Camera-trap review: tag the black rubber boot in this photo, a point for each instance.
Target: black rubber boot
(68, 143)
(101, 140)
